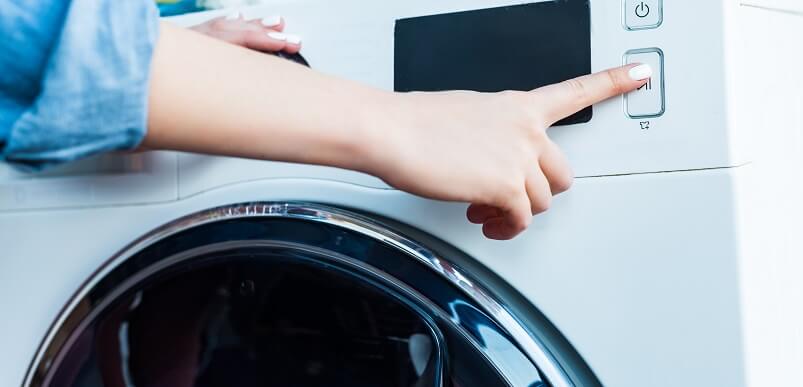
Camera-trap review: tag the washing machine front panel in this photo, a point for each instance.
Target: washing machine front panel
(301, 294)
(625, 289)
(642, 266)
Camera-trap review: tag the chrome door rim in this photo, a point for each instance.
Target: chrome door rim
(533, 347)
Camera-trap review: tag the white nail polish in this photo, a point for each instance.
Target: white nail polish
(640, 72)
(293, 39)
(233, 16)
(277, 35)
(271, 21)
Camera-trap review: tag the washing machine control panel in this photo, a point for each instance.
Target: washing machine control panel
(681, 120)
(678, 121)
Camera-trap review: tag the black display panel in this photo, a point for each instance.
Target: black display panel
(520, 47)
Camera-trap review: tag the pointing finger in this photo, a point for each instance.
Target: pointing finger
(566, 98)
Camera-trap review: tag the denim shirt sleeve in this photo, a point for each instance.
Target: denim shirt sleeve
(75, 78)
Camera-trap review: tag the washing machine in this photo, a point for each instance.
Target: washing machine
(674, 260)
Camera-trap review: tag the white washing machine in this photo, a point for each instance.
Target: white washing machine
(674, 260)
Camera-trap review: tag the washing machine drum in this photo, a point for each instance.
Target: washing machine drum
(284, 294)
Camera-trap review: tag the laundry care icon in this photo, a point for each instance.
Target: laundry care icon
(645, 125)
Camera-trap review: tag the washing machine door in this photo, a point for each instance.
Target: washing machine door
(294, 294)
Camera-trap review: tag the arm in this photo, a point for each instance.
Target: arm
(210, 97)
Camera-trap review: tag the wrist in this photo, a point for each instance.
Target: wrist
(372, 140)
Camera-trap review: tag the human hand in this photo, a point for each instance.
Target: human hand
(488, 149)
(266, 34)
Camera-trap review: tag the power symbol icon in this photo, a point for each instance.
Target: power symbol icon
(642, 10)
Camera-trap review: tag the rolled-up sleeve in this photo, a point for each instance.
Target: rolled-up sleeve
(75, 79)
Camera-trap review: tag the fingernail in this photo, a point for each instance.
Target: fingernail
(277, 35)
(272, 21)
(293, 39)
(233, 16)
(640, 72)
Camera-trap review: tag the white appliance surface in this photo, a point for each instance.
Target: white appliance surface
(674, 260)
(633, 270)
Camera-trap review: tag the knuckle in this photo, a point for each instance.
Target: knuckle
(503, 193)
(562, 184)
(541, 204)
(509, 190)
(524, 106)
(545, 112)
(578, 89)
(253, 36)
(535, 138)
(521, 223)
(615, 81)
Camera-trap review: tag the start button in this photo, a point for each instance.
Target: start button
(643, 14)
(648, 100)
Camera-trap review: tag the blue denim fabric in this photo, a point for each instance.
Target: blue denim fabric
(74, 79)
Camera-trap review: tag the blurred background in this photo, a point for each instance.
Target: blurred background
(178, 7)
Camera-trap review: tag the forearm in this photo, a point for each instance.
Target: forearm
(211, 97)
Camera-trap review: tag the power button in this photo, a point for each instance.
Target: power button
(642, 14)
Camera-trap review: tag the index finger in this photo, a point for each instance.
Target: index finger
(563, 99)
